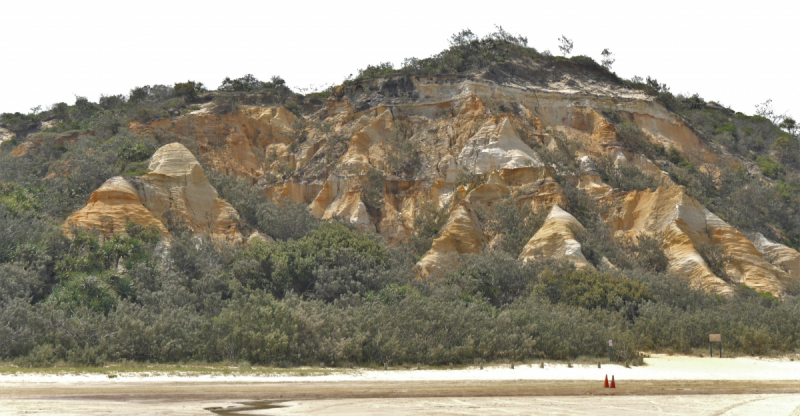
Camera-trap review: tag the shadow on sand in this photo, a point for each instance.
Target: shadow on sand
(245, 407)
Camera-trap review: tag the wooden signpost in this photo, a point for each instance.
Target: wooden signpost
(712, 338)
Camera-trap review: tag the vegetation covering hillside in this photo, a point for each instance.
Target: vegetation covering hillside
(329, 290)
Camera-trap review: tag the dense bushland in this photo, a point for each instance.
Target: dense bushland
(338, 296)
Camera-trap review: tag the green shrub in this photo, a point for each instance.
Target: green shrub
(516, 223)
(403, 155)
(469, 180)
(786, 149)
(19, 123)
(282, 220)
(428, 221)
(60, 111)
(189, 90)
(611, 115)
(88, 254)
(18, 283)
(147, 114)
(63, 127)
(246, 83)
(297, 265)
(787, 190)
(625, 177)
(375, 71)
(674, 156)
(580, 204)
(134, 170)
(769, 167)
(135, 152)
(110, 102)
(597, 242)
(497, 277)
(8, 145)
(87, 291)
(586, 61)
(727, 128)
(255, 328)
(648, 253)
(18, 199)
(590, 289)
(372, 185)
(715, 257)
(84, 109)
(139, 93)
(766, 298)
(635, 139)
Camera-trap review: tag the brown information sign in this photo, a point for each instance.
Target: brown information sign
(715, 338)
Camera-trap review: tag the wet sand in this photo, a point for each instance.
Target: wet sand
(566, 405)
(243, 404)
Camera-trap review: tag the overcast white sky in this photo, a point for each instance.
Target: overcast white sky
(735, 52)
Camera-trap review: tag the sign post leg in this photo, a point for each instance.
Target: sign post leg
(610, 357)
(712, 338)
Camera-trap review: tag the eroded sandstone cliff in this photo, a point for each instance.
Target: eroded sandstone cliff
(556, 239)
(175, 186)
(474, 141)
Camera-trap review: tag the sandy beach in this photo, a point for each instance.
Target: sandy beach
(665, 385)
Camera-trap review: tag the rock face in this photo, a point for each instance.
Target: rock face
(331, 203)
(686, 224)
(478, 139)
(461, 235)
(236, 143)
(5, 135)
(34, 143)
(111, 207)
(785, 258)
(556, 239)
(175, 185)
(496, 146)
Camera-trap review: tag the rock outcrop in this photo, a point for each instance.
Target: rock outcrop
(787, 259)
(496, 146)
(556, 239)
(175, 185)
(5, 135)
(111, 207)
(685, 224)
(330, 203)
(461, 235)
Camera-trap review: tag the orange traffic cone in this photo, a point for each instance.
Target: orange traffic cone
(605, 385)
(613, 384)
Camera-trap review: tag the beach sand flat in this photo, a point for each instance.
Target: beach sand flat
(666, 385)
